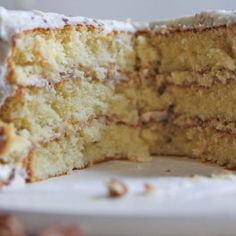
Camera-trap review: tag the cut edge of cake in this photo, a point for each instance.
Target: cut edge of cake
(129, 68)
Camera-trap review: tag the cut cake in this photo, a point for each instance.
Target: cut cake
(77, 91)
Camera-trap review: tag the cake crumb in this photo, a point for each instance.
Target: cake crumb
(148, 188)
(196, 177)
(116, 188)
(224, 175)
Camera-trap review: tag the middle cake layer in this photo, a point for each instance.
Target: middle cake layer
(191, 94)
(42, 114)
(45, 113)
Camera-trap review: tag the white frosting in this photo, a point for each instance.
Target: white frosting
(12, 22)
(199, 20)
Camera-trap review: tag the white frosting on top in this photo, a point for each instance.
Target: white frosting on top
(12, 22)
(199, 20)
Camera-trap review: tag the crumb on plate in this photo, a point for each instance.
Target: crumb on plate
(148, 188)
(116, 188)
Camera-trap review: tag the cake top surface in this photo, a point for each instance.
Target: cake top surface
(12, 22)
(200, 20)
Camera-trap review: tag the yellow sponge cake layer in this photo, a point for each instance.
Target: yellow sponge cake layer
(203, 142)
(41, 55)
(98, 142)
(211, 100)
(189, 50)
(44, 113)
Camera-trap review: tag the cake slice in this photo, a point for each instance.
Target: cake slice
(70, 90)
(78, 91)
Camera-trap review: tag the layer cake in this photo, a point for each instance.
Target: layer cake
(77, 91)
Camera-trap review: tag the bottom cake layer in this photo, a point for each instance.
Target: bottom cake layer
(109, 141)
(200, 142)
(96, 143)
(102, 140)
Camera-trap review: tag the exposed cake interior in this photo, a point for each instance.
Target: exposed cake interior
(82, 94)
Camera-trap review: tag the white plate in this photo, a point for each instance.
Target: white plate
(181, 205)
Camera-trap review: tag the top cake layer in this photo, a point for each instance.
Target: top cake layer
(16, 22)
